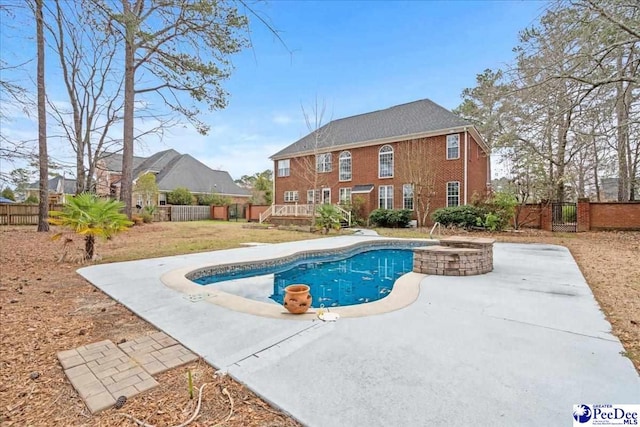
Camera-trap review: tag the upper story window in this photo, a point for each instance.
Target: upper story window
(407, 196)
(453, 193)
(385, 162)
(323, 162)
(453, 146)
(284, 167)
(290, 196)
(344, 165)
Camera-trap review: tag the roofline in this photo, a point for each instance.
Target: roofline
(471, 128)
(208, 193)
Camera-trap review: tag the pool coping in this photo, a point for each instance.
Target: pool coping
(405, 290)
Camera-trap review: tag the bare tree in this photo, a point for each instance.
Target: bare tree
(418, 159)
(86, 54)
(315, 166)
(177, 47)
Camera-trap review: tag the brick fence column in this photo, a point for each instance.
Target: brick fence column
(545, 215)
(584, 215)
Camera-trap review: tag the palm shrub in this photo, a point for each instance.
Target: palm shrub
(329, 218)
(91, 216)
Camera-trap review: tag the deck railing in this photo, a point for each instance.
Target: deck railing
(301, 210)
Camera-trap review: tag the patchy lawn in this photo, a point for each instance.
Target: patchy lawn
(609, 261)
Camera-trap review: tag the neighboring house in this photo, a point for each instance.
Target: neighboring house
(59, 189)
(361, 155)
(109, 172)
(174, 170)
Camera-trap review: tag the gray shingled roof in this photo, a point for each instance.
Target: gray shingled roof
(185, 171)
(69, 185)
(113, 161)
(407, 119)
(157, 162)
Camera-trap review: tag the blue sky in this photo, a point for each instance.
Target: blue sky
(354, 56)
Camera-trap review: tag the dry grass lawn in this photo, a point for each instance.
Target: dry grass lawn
(45, 307)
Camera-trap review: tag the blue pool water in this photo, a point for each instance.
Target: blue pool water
(364, 277)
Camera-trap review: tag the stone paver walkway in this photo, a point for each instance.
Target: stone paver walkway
(101, 372)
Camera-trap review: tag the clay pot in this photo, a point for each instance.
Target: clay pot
(297, 299)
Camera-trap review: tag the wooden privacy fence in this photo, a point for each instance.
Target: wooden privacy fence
(190, 213)
(22, 213)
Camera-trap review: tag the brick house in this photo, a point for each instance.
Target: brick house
(370, 155)
(172, 170)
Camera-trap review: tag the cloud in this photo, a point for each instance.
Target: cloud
(282, 119)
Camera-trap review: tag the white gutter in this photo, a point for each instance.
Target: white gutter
(466, 149)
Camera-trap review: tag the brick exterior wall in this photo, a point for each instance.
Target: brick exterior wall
(364, 166)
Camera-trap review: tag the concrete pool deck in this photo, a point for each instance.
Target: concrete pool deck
(517, 346)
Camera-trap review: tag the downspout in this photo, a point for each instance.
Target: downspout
(466, 149)
(273, 184)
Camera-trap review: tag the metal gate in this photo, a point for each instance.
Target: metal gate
(564, 217)
(237, 211)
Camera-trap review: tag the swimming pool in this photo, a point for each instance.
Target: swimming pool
(365, 276)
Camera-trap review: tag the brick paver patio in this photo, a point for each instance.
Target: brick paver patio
(101, 372)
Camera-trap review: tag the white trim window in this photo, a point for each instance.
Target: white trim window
(323, 162)
(345, 195)
(344, 166)
(311, 196)
(326, 196)
(139, 201)
(162, 199)
(453, 194)
(385, 197)
(385, 162)
(453, 146)
(290, 196)
(407, 196)
(284, 167)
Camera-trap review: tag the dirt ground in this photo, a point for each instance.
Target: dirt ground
(45, 307)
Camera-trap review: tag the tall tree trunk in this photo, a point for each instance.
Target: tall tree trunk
(622, 118)
(126, 182)
(43, 158)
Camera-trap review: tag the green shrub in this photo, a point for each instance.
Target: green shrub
(390, 218)
(7, 193)
(147, 218)
(459, 216)
(214, 199)
(33, 200)
(180, 196)
(569, 214)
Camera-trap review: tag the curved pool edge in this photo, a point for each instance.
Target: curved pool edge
(405, 291)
